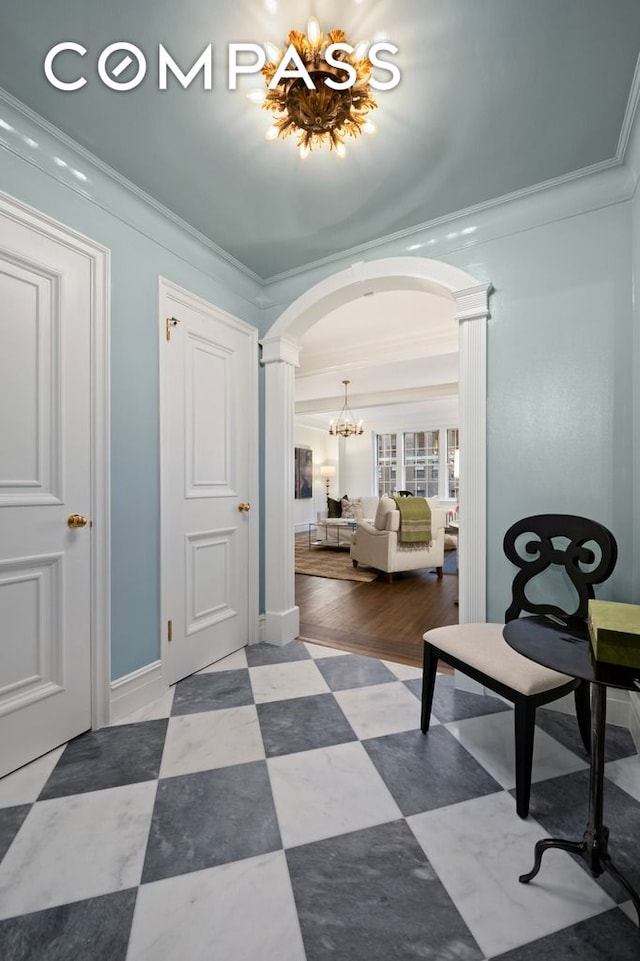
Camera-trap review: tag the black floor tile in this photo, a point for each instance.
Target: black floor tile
(564, 727)
(373, 896)
(259, 654)
(302, 724)
(353, 670)
(93, 930)
(213, 817)
(10, 823)
(424, 772)
(211, 692)
(606, 937)
(110, 757)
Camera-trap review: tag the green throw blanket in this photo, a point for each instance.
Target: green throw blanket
(415, 520)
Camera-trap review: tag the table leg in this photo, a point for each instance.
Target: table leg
(595, 841)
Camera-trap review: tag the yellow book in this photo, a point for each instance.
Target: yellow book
(614, 630)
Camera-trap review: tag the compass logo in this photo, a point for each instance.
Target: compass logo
(116, 59)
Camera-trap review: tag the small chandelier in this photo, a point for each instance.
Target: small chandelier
(322, 114)
(346, 425)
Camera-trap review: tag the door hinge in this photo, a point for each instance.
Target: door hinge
(170, 322)
(169, 631)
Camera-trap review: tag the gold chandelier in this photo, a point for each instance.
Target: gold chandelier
(322, 114)
(346, 425)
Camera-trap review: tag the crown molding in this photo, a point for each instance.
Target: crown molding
(630, 114)
(20, 147)
(450, 219)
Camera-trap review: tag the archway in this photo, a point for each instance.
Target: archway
(280, 352)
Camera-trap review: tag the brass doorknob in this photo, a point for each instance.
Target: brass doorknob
(76, 520)
(244, 508)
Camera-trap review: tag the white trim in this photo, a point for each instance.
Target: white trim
(136, 690)
(99, 259)
(471, 305)
(167, 288)
(629, 115)
(262, 628)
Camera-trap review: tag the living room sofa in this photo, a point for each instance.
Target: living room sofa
(377, 545)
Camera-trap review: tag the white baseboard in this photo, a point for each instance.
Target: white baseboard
(136, 690)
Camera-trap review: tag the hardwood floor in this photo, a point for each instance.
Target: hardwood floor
(379, 619)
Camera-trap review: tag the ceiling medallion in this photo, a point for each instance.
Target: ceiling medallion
(327, 104)
(346, 425)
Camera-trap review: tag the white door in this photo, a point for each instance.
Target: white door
(45, 476)
(208, 429)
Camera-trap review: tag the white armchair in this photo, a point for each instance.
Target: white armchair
(377, 544)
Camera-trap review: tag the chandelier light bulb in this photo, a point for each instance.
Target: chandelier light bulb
(369, 127)
(304, 152)
(271, 133)
(313, 30)
(256, 96)
(341, 150)
(360, 50)
(272, 52)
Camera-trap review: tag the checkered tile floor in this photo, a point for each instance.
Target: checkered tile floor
(283, 805)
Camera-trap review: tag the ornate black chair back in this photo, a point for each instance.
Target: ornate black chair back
(585, 548)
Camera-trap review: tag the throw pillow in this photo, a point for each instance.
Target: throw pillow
(348, 508)
(334, 508)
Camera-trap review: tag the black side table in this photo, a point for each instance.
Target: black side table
(566, 648)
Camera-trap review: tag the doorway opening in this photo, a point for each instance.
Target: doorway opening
(281, 355)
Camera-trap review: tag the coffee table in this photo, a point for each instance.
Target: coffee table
(346, 527)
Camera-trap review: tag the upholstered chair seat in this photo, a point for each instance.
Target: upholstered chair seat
(587, 552)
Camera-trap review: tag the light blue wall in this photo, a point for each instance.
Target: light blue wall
(561, 400)
(139, 255)
(559, 355)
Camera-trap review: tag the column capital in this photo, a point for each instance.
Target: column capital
(472, 302)
(280, 350)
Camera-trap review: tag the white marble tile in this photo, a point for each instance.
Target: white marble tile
(77, 847)
(24, 785)
(211, 739)
(404, 672)
(276, 682)
(626, 774)
(318, 650)
(237, 912)
(328, 791)
(491, 741)
(232, 662)
(479, 848)
(159, 708)
(380, 709)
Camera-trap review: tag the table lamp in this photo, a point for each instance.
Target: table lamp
(327, 471)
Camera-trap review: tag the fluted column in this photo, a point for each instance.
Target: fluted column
(472, 311)
(280, 358)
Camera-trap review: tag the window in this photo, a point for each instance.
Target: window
(387, 463)
(453, 446)
(420, 461)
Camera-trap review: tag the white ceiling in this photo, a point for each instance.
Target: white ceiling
(398, 349)
(496, 96)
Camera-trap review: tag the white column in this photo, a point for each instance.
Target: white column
(472, 313)
(280, 357)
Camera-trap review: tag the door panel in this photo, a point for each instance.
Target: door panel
(45, 404)
(208, 421)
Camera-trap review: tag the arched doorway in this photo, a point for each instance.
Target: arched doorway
(280, 357)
